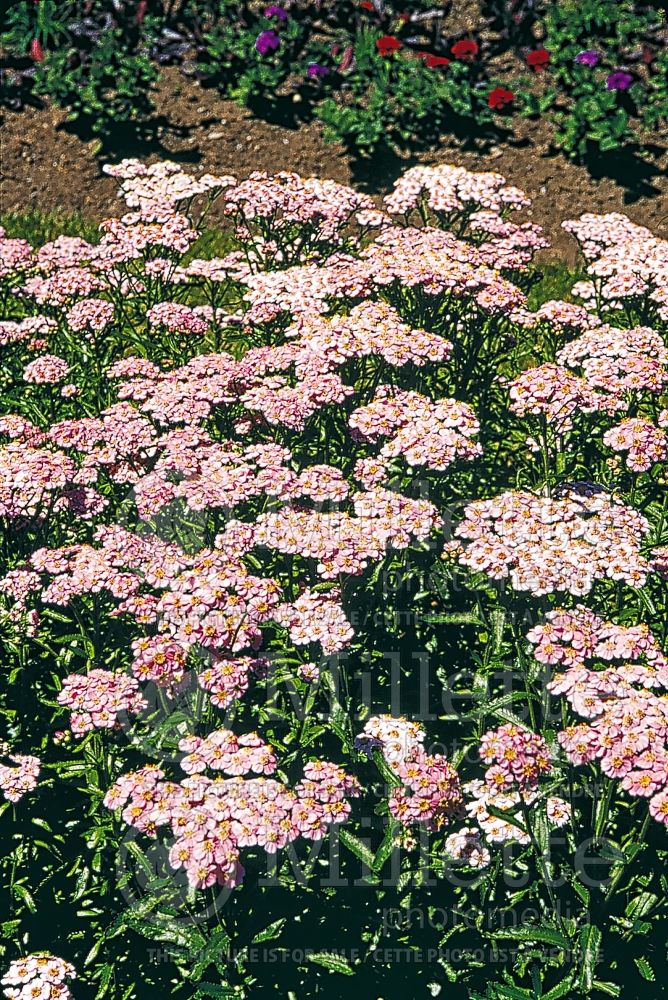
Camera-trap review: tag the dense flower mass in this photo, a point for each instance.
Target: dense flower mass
(644, 443)
(625, 262)
(20, 776)
(38, 977)
(96, 700)
(551, 391)
(627, 715)
(429, 792)
(46, 369)
(258, 505)
(212, 819)
(448, 189)
(424, 433)
(518, 758)
(544, 545)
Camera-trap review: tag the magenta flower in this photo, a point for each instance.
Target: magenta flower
(317, 70)
(267, 41)
(590, 57)
(274, 10)
(619, 80)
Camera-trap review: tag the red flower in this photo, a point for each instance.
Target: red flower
(366, 5)
(499, 98)
(140, 13)
(387, 44)
(538, 59)
(36, 50)
(434, 61)
(465, 49)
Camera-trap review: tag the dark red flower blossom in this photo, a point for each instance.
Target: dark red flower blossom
(465, 49)
(140, 13)
(387, 44)
(435, 61)
(538, 59)
(366, 5)
(499, 98)
(36, 50)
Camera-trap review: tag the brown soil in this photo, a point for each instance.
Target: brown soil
(44, 164)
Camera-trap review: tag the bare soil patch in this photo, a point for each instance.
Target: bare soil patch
(45, 164)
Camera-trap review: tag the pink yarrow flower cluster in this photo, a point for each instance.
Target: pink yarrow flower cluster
(90, 315)
(308, 211)
(519, 758)
(98, 698)
(46, 370)
(213, 819)
(626, 710)
(34, 482)
(342, 543)
(162, 184)
(429, 792)
(644, 442)
(221, 750)
(627, 262)
(177, 318)
(19, 777)
(619, 361)
(554, 544)
(422, 432)
(448, 189)
(558, 395)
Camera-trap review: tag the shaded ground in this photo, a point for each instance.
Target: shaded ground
(44, 164)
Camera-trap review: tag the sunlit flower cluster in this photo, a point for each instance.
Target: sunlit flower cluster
(422, 432)
(554, 393)
(226, 484)
(448, 189)
(484, 802)
(212, 819)
(627, 262)
(95, 700)
(619, 361)
(518, 757)
(429, 792)
(19, 777)
(627, 715)
(544, 545)
(643, 441)
(38, 977)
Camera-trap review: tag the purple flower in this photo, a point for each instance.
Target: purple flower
(267, 41)
(619, 80)
(317, 70)
(275, 11)
(590, 57)
(367, 744)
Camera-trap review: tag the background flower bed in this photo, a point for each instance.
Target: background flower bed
(48, 165)
(378, 75)
(551, 391)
